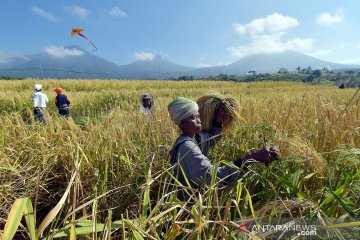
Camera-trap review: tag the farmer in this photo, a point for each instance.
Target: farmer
(39, 100)
(147, 103)
(188, 152)
(62, 103)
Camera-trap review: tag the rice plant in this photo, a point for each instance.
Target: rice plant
(102, 174)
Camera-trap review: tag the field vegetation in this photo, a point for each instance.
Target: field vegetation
(102, 173)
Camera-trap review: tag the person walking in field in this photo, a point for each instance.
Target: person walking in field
(39, 100)
(188, 155)
(62, 103)
(147, 103)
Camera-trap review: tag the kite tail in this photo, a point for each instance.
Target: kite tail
(81, 35)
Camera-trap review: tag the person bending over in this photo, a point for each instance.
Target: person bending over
(187, 154)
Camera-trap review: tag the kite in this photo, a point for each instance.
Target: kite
(78, 32)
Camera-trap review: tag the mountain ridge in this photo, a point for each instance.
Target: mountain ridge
(87, 65)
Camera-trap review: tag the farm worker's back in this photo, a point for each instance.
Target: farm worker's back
(62, 102)
(39, 102)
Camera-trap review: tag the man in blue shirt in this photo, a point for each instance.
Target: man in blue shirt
(62, 103)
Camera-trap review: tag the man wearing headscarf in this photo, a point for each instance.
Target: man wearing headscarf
(147, 103)
(188, 152)
(62, 102)
(39, 100)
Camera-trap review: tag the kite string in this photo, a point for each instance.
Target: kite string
(81, 35)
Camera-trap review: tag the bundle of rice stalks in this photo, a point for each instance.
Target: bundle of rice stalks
(285, 208)
(297, 148)
(209, 105)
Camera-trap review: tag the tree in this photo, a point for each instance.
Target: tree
(350, 72)
(283, 71)
(338, 76)
(325, 70)
(223, 76)
(186, 78)
(309, 79)
(232, 77)
(308, 70)
(251, 72)
(316, 73)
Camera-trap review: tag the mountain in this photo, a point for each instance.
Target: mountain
(82, 65)
(79, 63)
(13, 61)
(158, 68)
(74, 62)
(271, 63)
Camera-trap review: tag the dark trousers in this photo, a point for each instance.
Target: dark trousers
(64, 112)
(39, 113)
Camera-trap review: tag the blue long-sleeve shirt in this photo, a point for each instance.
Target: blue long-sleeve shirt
(62, 101)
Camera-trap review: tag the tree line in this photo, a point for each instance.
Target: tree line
(347, 77)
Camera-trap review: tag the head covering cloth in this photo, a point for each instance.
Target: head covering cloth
(37, 87)
(147, 96)
(181, 108)
(59, 90)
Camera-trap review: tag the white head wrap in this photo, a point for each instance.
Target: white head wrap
(37, 87)
(145, 96)
(181, 108)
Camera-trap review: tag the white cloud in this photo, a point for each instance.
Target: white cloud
(271, 24)
(349, 61)
(204, 65)
(320, 53)
(327, 19)
(299, 44)
(144, 56)
(61, 52)
(42, 13)
(77, 12)
(11, 57)
(116, 12)
(270, 44)
(266, 35)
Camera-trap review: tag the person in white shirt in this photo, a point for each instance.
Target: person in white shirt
(39, 99)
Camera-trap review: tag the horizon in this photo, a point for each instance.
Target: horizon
(204, 34)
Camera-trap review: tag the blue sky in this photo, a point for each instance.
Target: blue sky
(189, 32)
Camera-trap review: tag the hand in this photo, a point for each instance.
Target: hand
(264, 155)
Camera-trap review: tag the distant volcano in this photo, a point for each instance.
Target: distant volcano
(75, 62)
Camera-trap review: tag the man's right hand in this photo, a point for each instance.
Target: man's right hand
(265, 155)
